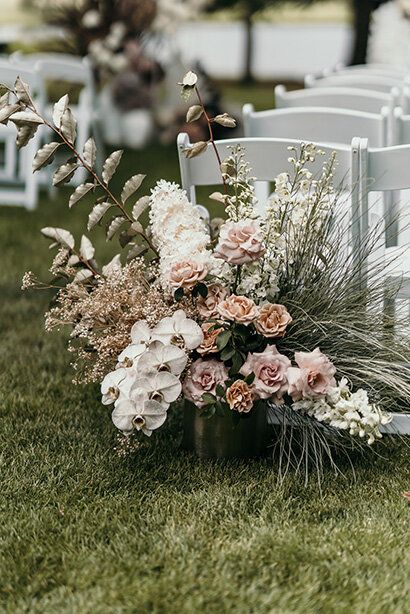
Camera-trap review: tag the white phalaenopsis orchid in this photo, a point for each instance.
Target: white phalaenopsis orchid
(160, 357)
(139, 412)
(140, 338)
(164, 387)
(178, 327)
(112, 385)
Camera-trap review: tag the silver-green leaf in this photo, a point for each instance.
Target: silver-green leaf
(45, 155)
(24, 134)
(115, 225)
(59, 235)
(110, 165)
(59, 108)
(90, 152)
(97, 213)
(22, 118)
(82, 275)
(22, 91)
(69, 126)
(7, 111)
(87, 250)
(140, 206)
(64, 173)
(194, 113)
(79, 193)
(136, 251)
(131, 186)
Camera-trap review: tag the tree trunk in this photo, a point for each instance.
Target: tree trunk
(362, 13)
(247, 72)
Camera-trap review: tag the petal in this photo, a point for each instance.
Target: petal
(140, 332)
(132, 351)
(192, 334)
(155, 415)
(168, 385)
(122, 416)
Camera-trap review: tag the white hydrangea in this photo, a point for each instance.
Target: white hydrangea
(346, 410)
(178, 231)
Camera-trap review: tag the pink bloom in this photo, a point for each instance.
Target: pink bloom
(270, 369)
(207, 306)
(240, 242)
(187, 274)
(272, 320)
(203, 376)
(238, 309)
(314, 378)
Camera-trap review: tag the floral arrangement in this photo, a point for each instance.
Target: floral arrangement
(255, 311)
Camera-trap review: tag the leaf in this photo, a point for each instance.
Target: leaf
(196, 149)
(220, 390)
(59, 109)
(227, 353)
(113, 265)
(219, 197)
(7, 111)
(87, 250)
(69, 126)
(136, 251)
(225, 120)
(223, 339)
(61, 236)
(79, 193)
(208, 398)
(98, 211)
(21, 118)
(45, 155)
(90, 152)
(73, 260)
(110, 165)
(194, 113)
(237, 362)
(179, 294)
(140, 206)
(22, 91)
(4, 99)
(83, 275)
(114, 225)
(64, 173)
(131, 186)
(190, 79)
(24, 134)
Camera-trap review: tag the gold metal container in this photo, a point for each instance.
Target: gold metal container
(218, 437)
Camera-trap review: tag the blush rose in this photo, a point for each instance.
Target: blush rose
(270, 369)
(272, 320)
(240, 242)
(239, 309)
(203, 376)
(187, 274)
(314, 378)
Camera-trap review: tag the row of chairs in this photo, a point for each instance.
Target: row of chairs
(18, 186)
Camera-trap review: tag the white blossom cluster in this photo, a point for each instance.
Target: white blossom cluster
(178, 231)
(106, 52)
(147, 378)
(347, 410)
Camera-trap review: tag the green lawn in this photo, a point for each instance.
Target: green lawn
(85, 531)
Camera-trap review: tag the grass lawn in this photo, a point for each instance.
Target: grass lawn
(84, 531)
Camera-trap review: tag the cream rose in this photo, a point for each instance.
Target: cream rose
(239, 309)
(314, 378)
(272, 320)
(187, 274)
(208, 345)
(240, 397)
(207, 306)
(240, 242)
(270, 369)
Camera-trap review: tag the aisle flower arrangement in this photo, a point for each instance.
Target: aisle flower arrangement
(226, 316)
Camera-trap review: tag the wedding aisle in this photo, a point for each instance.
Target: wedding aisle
(84, 530)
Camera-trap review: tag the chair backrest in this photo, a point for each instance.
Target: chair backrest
(317, 124)
(336, 98)
(375, 83)
(9, 72)
(382, 70)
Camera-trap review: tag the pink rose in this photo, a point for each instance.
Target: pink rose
(187, 274)
(272, 320)
(207, 306)
(314, 378)
(203, 376)
(238, 309)
(240, 242)
(270, 369)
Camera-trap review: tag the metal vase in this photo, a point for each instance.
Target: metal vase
(219, 438)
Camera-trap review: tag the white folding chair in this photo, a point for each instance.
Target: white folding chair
(316, 124)
(381, 70)
(375, 83)
(336, 98)
(19, 186)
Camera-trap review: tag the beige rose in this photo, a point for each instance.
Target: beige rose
(238, 309)
(239, 397)
(240, 242)
(208, 345)
(187, 274)
(207, 307)
(314, 378)
(272, 320)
